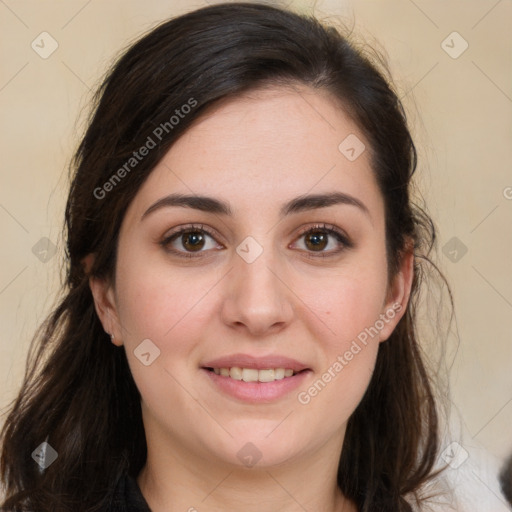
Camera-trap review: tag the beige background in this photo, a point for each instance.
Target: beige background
(461, 112)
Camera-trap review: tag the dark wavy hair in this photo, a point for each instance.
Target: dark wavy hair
(505, 478)
(78, 393)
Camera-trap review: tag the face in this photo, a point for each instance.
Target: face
(274, 283)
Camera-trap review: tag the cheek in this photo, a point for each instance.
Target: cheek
(348, 359)
(170, 307)
(350, 305)
(162, 305)
(156, 302)
(348, 302)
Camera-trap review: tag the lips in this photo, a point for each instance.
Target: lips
(256, 392)
(253, 379)
(257, 363)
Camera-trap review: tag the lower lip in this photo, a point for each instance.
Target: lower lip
(257, 392)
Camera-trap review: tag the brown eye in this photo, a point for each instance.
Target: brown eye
(188, 242)
(318, 237)
(192, 240)
(316, 240)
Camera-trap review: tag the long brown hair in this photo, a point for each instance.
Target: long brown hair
(78, 393)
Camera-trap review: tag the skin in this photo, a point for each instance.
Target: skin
(256, 152)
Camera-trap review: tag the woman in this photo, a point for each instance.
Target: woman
(239, 311)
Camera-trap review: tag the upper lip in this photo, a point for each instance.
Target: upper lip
(258, 363)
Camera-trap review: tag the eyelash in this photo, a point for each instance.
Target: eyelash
(193, 228)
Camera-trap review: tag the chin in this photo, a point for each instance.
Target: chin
(256, 448)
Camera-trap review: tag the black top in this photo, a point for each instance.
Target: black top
(127, 497)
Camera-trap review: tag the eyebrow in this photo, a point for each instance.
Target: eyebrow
(296, 205)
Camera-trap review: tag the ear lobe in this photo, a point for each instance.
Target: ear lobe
(106, 309)
(398, 296)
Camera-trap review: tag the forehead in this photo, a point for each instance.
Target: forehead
(263, 147)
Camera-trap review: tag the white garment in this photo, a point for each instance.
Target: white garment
(471, 481)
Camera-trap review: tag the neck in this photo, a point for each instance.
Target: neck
(180, 480)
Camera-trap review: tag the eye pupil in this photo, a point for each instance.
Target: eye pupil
(319, 239)
(197, 240)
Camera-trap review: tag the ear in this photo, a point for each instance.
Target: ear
(399, 292)
(104, 303)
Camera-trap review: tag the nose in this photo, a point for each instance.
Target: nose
(258, 297)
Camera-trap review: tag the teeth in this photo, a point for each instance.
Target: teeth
(254, 375)
(236, 373)
(279, 373)
(266, 375)
(249, 374)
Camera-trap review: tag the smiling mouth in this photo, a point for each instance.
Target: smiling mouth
(255, 375)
